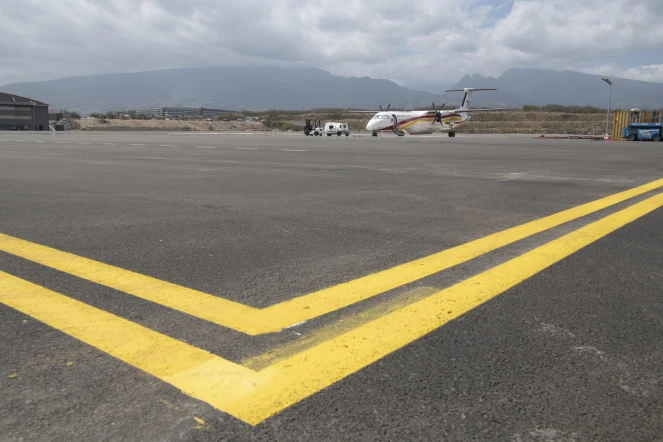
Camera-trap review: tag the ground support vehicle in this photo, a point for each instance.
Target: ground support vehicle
(313, 128)
(332, 127)
(640, 128)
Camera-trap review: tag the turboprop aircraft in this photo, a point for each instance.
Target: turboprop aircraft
(427, 121)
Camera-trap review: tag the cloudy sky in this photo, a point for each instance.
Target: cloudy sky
(424, 44)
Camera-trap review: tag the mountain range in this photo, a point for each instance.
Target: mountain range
(260, 88)
(517, 87)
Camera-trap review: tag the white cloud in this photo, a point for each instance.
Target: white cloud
(429, 41)
(652, 72)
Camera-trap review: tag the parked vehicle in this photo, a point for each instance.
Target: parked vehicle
(640, 128)
(313, 128)
(338, 128)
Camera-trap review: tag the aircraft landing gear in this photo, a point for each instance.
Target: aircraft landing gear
(375, 133)
(452, 134)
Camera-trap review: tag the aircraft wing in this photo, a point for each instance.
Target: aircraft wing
(431, 112)
(485, 110)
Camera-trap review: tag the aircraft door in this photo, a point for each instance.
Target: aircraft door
(394, 120)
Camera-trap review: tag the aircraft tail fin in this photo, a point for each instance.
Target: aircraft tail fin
(468, 94)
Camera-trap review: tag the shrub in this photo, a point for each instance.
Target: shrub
(563, 109)
(290, 126)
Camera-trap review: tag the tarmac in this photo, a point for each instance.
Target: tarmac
(207, 287)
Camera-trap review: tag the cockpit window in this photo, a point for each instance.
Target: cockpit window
(382, 117)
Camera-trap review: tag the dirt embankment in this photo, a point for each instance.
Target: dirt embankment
(172, 125)
(508, 122)
(518, 122)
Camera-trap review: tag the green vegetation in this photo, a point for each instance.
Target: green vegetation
(564, 109)
(282, 125)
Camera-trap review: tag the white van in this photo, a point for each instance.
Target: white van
(337, 128)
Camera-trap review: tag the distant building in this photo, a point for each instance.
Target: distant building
(162, 112)
(252, 119)
(20, 113)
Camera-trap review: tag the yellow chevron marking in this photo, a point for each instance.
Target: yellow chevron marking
(253, 396)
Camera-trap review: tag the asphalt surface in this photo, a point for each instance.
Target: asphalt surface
(573, 353)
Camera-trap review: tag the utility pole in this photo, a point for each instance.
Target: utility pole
(607, 118)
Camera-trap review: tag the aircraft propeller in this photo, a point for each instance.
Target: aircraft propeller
(438, 115)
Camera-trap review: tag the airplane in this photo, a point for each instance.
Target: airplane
(424, 122)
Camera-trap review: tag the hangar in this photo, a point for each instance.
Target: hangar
(21, 113)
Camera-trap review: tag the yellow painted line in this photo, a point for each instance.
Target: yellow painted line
(254, 396)
(336, 328)
(291, 380)
(134, 344)
(193, 302)
(254, 321)
(324, 301)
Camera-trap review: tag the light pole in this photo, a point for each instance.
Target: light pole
(607, 118)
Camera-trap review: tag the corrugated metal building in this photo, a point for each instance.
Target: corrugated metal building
(20, 113)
